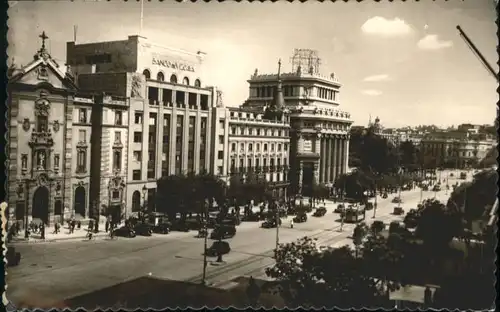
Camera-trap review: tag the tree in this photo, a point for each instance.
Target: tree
(472, 198)
(313, 278)
(409, 158)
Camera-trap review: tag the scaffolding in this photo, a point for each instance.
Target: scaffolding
(305, 59)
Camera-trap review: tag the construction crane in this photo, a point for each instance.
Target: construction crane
(478, 54)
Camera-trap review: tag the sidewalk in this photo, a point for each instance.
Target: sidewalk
(63, 235)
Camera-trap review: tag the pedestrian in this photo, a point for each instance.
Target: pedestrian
(72, 227)
(291, 224)
(56, 228)
(42, 231)
(89, 234)
(106, 226)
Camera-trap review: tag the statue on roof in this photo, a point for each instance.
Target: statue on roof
(275, 110)
(256, 73)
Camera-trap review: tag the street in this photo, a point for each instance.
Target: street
(56, 271)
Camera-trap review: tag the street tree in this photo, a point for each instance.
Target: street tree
(310, 277)
(409, 156)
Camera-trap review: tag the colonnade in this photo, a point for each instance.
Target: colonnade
(334, 155)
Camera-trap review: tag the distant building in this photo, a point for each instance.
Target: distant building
(456, 148)
(319, 134)
(55, 146)
(245, 142)
(169, 120)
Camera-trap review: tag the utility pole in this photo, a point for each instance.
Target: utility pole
(343, 211)
(277, 229)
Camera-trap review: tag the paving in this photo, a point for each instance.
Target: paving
(62, 270)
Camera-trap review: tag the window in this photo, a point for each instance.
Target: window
(56, 161)
(136, 175)
(82, 115)
(258, 147)
(160, 76)
(173, 79)
(24, 161)
(233, 130)
(221, 139)
(82, 136)
(203, 123)
(81, 161)
(137, 155)
(118, 136)
(219, 170)
(279, 147)
(233, 147)
(185, 81)
(242, 131)
(258, 132)
(220, 155)
(42, 123)
(221, 123)
(272, 147)
(138, 118)
(152, 119)
(279, 132)
(137, 137)
(118, 118)
(285, 147)
(117, 160)
(147, 73)
(250, 147)
(265, 147)
(197, 83)
(242, 147)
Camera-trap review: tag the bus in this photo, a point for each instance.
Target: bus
(354, 214)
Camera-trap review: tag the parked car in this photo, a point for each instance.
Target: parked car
(217, 248)
(463, 175)
(223, 231)
(232, 220)
(13, 257)
(124, 231)
(321, 211)
(340, 208)
(179, 226)
(300, 218)
(436, 188)
(143, 229)
(251, 217)
(162, 228)
(270, 223)
(397, 200)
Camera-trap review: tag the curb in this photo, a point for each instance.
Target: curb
(39, 241)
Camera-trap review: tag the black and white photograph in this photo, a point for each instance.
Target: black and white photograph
(251, 154)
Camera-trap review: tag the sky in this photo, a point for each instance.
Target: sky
(403, 62)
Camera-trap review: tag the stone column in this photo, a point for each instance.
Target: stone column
(335, 159)
(346, 154)
(328, 159)
(316, 172)
(322, 160)
(341, 155)
(300, 174)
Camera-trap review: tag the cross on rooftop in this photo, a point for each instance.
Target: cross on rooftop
(44, 37)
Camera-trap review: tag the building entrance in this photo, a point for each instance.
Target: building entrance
(307, 179)
(40, 208)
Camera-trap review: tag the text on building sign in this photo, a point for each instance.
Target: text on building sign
(172, 64)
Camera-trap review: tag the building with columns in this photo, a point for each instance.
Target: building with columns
(55, 146)
(170, 109)
(319, 129)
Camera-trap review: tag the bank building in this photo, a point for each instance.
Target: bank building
(319, 128)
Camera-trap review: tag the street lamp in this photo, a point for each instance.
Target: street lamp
(205, 226)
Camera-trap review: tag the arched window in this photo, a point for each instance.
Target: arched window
(136, 201)
(258, 147)
(160, 76)
(197, 83)
(173, 78)
(185, 81)
(147, 73)
(250, 147)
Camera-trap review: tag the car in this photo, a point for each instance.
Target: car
(143, 229)
(291, 211)
(179, 226)
(384, 196)
(217, 248)
(300, 218)
(253, 217)
(321, 211)
(223, 231)
(340, 208)
(124, 231)
(397, 199)
(368, 206)
(436, 188)
(398, 211)
(270, 223)
(162, 228)
(13, 257)
(231, 220)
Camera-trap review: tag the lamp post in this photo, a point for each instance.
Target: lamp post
(205, 227)
(277, 228)
(144, 192)
(26, 233)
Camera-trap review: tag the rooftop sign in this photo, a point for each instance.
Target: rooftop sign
(173, 64)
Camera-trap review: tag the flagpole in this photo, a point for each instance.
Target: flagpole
(142, 16)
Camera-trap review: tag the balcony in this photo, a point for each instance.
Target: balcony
(41, 139)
